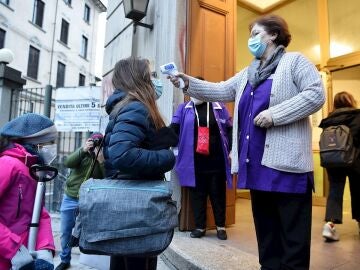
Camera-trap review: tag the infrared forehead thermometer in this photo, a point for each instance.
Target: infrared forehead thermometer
(171, 70)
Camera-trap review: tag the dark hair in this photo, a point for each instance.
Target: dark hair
(344, 100)
(274, 24)
(133, 76)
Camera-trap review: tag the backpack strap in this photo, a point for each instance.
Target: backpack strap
(93, 162)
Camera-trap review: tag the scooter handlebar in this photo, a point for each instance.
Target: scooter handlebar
(43, 173)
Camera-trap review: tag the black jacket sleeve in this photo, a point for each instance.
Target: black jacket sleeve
(164, 139)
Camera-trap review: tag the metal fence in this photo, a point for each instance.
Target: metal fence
(34, 100)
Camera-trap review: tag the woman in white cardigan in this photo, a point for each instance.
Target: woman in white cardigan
(274, 97)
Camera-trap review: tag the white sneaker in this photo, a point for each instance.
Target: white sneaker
(329, 232)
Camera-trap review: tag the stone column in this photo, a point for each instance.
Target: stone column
(10, 83)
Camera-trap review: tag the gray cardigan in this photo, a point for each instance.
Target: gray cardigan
(296, 93)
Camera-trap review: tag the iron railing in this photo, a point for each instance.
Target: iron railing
(33, 100)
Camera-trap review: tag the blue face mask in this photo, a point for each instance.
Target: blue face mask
(158, 86)
(256, 46)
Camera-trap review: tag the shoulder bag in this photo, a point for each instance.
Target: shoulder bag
(126, 217)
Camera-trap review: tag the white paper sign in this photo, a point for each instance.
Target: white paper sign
(77, 109)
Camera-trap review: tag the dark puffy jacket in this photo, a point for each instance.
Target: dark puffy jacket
(126, 144)
(345, 116)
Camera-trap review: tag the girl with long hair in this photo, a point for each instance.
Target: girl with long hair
(132, 148)
(344, 113)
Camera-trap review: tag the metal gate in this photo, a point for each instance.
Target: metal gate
(33, 100)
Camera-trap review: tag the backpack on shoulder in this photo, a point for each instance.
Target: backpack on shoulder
(336, 147)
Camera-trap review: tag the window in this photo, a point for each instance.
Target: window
(84, 47)
(60, 76)
(2, 38)
(6, 2)
(33, 63)
(81, 79)
(64, 31)
(87, 13)
(38, 14)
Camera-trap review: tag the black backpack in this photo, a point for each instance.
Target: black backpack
(336, 147)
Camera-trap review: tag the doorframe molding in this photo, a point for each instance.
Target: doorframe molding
(344, 61)
(214, 6)
(258, 10)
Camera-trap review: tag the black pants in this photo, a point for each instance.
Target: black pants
(133, 263)
(283, 229)
(334, 205)
(214, 186)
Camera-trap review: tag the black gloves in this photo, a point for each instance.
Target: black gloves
(165, 138)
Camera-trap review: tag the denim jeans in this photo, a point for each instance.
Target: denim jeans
(43, 265)
(68, 213)
(38, 265)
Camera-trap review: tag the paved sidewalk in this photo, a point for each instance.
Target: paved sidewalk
(75, 264)
(184, 253)
(75, 254)
(207, 253)
(239, 252)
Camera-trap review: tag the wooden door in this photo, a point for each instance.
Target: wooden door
(210, 54)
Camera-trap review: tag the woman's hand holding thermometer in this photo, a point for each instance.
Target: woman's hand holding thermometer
(171, 70)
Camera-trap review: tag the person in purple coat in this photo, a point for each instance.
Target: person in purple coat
(205, 174)
(272, 145)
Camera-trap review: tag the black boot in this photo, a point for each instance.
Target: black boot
(197, 233)
(63, 266)
(221, 234)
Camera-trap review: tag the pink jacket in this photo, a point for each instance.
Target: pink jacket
(17, 195)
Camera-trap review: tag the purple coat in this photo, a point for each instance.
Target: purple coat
(185, 117)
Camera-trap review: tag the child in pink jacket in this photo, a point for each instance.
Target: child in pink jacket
(23, 143)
